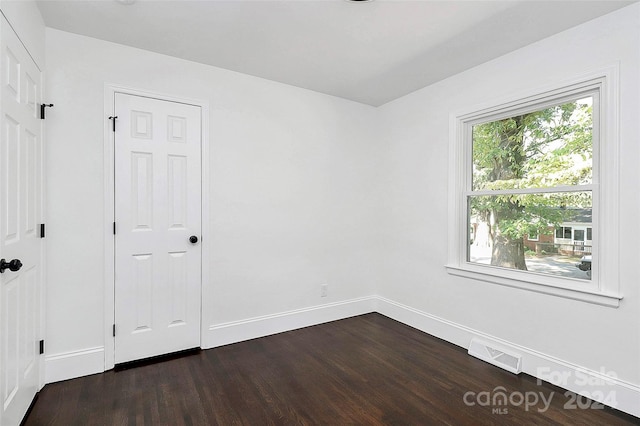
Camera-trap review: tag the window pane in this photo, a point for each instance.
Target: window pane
(589, 234)
(540, 149)
(502, 221)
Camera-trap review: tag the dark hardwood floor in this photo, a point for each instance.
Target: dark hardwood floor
(366, 370)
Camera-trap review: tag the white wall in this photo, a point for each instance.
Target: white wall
(293, 189)
(416, 133)
(26, 21)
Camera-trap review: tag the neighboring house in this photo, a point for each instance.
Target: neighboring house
(574, 236)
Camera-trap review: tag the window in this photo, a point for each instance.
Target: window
(523, 169)
(563, 232)
(567, 232)
(531, 171)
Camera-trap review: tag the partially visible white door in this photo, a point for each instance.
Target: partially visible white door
(158, 222)
(21, 215)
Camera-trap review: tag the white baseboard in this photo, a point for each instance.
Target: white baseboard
(596, 385)
(69, 365)
(237, 331)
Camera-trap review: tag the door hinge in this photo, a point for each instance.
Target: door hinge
(113, 122)
(114, 228)
(114, 330)
(42, 107)
(42, 230)
(41, 347)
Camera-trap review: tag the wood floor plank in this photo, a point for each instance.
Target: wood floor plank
(365, 370)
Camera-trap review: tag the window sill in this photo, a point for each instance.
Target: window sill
(500, 277)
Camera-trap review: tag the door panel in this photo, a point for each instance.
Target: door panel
(157, 209)
(21, 214)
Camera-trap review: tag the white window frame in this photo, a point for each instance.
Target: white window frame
(603, 288)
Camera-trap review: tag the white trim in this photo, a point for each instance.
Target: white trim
(537, 95)
(69, 365)
(43, 245)
(564, 374)
(109, 169)
(607, 251)
(206, 230)
(547, 190)
(604, 288)
(109, 246)
(518, 279)
(237, 331)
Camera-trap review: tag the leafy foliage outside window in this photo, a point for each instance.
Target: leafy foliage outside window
(530, 173)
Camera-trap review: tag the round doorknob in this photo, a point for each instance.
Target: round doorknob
(193, 239)
(13, 265)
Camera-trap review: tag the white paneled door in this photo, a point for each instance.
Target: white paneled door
(21, 215)
(157, 227)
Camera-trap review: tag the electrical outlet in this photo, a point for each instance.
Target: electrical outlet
(324, 290)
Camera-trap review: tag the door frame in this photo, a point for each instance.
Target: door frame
(110, 91)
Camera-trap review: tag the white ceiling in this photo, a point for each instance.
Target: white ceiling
(370, 52)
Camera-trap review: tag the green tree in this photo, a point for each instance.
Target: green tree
(542, 149)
